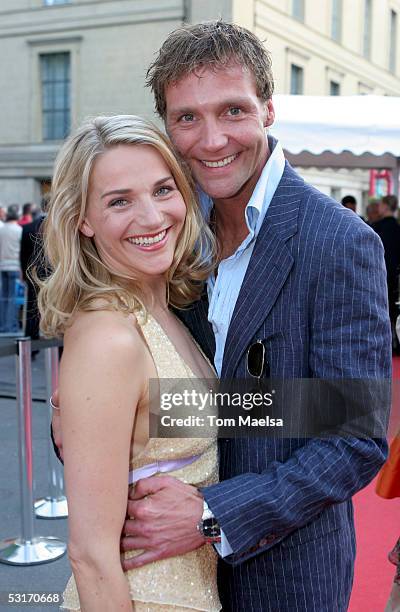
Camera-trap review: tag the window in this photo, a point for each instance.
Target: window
(55, 80)
(296, 79)
(298, 9)
(334, 88)
(51, 2)
(393, 41)
(367, 28)
(336, 24)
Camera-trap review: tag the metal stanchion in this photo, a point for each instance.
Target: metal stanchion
(55, 504)
(27, 550)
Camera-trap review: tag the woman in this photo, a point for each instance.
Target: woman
(124, 240)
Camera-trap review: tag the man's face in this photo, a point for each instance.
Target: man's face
(216, 121)
(373, 213)
(384, 209)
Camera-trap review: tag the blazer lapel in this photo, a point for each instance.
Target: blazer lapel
(268, 269)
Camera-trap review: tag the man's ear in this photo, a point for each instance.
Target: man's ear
(86, 229)
(269, 113)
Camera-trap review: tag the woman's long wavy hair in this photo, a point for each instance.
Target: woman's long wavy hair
(79, 279)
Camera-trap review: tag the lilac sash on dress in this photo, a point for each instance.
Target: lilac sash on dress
(160, 466)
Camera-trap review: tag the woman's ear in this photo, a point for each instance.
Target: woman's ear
(86, 229)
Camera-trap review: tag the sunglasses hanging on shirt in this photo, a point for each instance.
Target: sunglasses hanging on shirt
(257, 364)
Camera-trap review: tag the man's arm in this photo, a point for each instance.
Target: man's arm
(350, 339)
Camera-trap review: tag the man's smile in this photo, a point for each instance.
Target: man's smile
(220, 163)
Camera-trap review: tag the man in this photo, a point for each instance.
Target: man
(388, 230)
(350, 202)
(26, 214)
(392, 202)
(373, 212)
(10, 242)
(31, 250)
(303, 279)
(303, 276)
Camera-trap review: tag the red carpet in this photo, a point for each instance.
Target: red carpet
(378, 527)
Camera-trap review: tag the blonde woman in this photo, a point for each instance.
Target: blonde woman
(124, 241)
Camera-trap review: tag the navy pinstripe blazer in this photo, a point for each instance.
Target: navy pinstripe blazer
(315, 292)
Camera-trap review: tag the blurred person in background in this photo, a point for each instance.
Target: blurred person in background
(36, 211)
(3, 215)
(31, 252)
(350, 202)
(388, 230)
(392, 201)
(373, 212)
(26, 214)
(10, 244)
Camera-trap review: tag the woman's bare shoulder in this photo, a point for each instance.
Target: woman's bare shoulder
(104, 328)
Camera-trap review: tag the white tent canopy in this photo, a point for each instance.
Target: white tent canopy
(340, 131)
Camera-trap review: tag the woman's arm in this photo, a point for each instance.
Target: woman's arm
(102, 379)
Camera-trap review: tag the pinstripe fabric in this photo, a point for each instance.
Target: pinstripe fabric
(315, 293)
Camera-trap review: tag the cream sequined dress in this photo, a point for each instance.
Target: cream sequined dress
(187, 582)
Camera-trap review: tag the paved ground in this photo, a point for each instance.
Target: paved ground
(52, 576)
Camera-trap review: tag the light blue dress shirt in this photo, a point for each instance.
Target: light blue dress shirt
(223, 291)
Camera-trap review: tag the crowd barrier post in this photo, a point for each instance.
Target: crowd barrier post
(27, 549)
(55, 505)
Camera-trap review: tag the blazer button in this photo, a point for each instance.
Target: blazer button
(267, 540)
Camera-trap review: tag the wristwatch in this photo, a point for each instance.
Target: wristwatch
(208, 525)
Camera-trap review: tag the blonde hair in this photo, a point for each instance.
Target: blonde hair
(79, 279)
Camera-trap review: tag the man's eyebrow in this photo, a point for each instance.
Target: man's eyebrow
(231, 101)
(182, 111)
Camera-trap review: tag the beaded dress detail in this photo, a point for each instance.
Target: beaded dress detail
(189, 581)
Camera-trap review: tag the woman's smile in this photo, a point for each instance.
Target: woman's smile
(135, 211)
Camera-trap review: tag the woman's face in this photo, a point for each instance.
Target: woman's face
(135, 212)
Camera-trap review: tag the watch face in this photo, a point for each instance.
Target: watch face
(210, 528)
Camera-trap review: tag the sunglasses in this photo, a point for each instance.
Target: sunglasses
(256, 359)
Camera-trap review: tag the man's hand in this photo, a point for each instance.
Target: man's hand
(56, 423)
(163, 516)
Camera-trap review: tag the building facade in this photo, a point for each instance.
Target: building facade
(63, 60)
(333, 47)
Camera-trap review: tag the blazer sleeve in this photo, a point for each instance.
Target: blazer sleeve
(349, 338)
